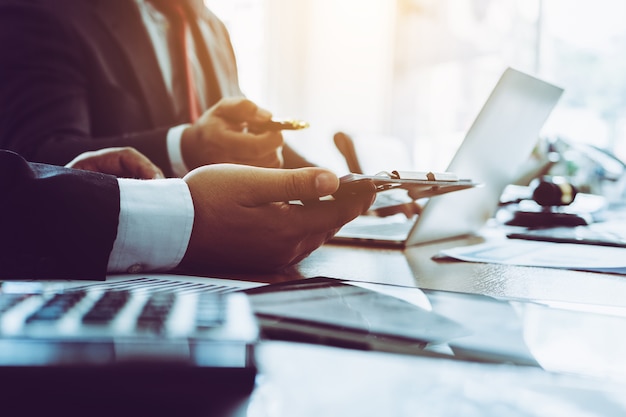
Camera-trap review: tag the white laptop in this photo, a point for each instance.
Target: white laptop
(494, 149)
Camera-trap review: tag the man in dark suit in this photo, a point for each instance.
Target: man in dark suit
(62, 223)
(82, 75)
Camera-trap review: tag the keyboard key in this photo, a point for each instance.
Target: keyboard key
(155, 311)
(107, 307)
(210, 310)
(57, 306)
(8, 301)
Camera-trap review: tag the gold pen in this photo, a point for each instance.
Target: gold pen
(275, 125)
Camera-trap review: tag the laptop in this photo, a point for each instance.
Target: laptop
(493, 151)
(145, 343)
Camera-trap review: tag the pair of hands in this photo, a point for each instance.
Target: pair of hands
(243, 219)
(228, 133)
(224, 134)
(243, 216)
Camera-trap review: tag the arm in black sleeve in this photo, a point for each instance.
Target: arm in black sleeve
(52, 106)
(56, 223)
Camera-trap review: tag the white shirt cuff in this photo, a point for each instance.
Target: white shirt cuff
(174, 137)
(155, 222)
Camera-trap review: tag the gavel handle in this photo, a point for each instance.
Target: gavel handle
(345, 145)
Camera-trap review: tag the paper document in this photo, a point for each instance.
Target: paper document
(544, 254)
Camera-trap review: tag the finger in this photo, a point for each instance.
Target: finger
(339, 212)
(81, 161)
(240, 110)
(271, 160)
(325, 218)
(349, 190)
(408, 209)
(137, 165)
(252, 145)
(85, 165)
(277, 185)
(96, 163)
(303, 184)
(312, 243)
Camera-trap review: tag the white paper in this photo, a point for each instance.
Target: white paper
(544, 254)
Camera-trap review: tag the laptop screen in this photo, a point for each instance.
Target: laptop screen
(494, 149)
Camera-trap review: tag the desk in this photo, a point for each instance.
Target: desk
(308, 380)
(311, 381)
(414, 266)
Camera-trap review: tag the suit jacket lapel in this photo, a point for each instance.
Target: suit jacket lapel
(124, 21)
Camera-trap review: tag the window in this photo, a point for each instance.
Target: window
(415, 72)
(245, 22)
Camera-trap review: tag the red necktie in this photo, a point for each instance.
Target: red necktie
(177, 16)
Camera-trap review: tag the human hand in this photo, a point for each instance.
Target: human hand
(121, 162)
(408, 209)
(244, 221)
(221, 136)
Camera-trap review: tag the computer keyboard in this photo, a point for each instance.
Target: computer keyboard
(133, 308)
(142, 343)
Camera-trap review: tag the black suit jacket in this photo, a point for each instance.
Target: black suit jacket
(78, 75)
(55, 223)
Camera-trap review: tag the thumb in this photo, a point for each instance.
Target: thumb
(137, 165)
(292, 184)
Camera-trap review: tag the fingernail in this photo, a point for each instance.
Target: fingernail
(158, 176)
(326, 183)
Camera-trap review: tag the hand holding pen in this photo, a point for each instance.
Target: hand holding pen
(275, 125)
(236, 131)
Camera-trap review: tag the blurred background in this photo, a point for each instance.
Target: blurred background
(405, 78)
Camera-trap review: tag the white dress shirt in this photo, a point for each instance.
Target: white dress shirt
(155, 223)
(159, 32)
(156, 216)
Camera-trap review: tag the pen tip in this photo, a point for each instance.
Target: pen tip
(299, 124)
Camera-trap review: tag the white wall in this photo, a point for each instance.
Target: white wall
(330, 63)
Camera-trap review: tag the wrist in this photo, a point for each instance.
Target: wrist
(189, 140)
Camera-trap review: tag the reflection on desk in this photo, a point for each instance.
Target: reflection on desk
(305, 380)
(414, 266)
(566, 338)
